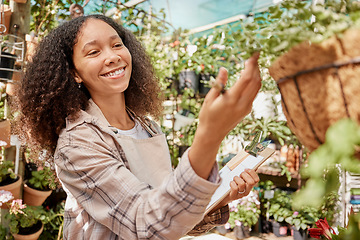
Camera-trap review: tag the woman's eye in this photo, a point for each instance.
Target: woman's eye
(118, 44)
(93, 52)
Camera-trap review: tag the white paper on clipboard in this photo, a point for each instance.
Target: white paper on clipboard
(235, 167)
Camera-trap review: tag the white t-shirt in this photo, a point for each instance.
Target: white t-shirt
(137, 132)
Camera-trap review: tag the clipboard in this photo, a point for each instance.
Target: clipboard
(243, 160)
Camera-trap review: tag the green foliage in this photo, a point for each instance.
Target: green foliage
(282, 208)
(245, 211)
(7, 170)
(338, 152)
(247, 215)
(271, 128)
(279, 207)
(3, 232)
(302, 219)
(2, 101)
(187, 134)
(46, 15)
(291, 22)
(352, 231)
(53, 221)
(43, 179)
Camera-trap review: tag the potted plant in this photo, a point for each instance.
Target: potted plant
(184, 67)
(214, 50)
(24, 222)
(306, 217)
(350, 231)
(244, 213)
(279, 208)
(300, 221)
(39, 186)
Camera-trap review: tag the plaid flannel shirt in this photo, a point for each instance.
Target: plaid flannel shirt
(106, 201)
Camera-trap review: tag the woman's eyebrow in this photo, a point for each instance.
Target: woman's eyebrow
(94, 41)
(115, 36)
(88, 44)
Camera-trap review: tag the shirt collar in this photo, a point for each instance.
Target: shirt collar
(92, 114)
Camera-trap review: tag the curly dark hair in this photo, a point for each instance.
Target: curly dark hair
(48, 93)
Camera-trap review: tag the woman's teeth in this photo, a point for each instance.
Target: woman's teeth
(117, 72)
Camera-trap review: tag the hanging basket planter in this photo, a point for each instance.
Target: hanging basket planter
(319, 85)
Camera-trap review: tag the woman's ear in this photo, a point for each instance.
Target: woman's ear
(76, 76)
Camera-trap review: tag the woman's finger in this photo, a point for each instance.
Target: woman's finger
(220, 82)
(253, 175)
(233, 191)
(250, 77)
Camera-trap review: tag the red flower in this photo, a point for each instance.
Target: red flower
(323, 229)
(315, 232)
(175, 43)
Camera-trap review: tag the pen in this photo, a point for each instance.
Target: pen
(219, 86)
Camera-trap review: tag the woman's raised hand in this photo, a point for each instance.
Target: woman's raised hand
(220, 113)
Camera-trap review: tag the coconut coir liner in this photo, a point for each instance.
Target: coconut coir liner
(313, 101)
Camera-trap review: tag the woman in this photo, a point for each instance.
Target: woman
(84, 98)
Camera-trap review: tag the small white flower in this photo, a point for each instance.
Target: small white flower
(5, 196)
(227, 225)
(2, 143)
(237, 223)
(191, 49)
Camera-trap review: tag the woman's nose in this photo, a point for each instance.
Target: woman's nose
(112, 58)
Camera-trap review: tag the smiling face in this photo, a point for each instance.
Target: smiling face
(102, 62)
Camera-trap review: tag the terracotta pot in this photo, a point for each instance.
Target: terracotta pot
(5, 131)
(14, 188)
(20, 1)
(7, 17)
(34, 197)
(33, 236)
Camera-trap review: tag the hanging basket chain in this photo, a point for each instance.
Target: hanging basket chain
(294, 77)
(337, 64)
